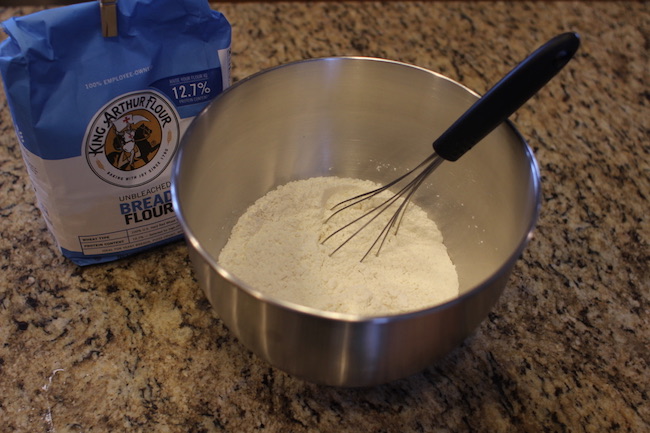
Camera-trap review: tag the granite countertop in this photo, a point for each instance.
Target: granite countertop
(134, 346)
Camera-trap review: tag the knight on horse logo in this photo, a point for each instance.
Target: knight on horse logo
(134, 142)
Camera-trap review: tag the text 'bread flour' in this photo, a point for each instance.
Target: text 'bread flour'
(99, 119)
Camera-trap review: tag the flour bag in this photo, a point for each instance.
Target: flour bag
(99, 118)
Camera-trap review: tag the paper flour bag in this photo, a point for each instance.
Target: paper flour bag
(99, 118)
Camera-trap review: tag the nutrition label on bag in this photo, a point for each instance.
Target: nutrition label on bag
(130, 238)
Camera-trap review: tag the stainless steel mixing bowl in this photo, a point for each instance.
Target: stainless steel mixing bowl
(363, 118)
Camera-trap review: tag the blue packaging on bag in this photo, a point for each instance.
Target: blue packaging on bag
(99, 118)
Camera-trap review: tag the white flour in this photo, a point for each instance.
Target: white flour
(275, 247)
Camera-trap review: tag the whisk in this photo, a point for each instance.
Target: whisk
(510, 93)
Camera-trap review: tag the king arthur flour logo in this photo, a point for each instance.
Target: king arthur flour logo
(132, 139)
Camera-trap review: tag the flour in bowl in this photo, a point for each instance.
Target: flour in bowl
(276, 248)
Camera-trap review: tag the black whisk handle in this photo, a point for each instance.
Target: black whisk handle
(507, 96)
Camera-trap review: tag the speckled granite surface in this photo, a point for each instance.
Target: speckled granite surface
(133, 345)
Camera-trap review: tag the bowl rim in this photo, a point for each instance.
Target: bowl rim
(349, 317)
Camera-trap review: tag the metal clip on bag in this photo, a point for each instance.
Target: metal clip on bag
(99, 118)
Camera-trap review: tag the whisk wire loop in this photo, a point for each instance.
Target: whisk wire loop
(369, 194)
(423, 170)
